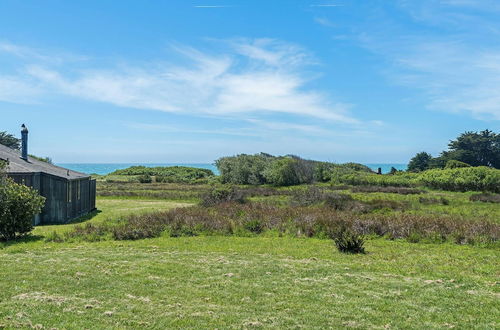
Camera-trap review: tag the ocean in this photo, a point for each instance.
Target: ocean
(103, 169)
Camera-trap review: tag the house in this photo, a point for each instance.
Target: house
(68, 194)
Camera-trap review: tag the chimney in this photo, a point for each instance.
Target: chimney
(24, 142)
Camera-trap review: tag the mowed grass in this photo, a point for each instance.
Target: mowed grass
(245, 282)
(221, 282)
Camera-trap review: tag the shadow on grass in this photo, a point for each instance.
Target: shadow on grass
(20, 240)
(85, 218)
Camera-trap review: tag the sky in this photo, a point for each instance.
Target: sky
(181, 81)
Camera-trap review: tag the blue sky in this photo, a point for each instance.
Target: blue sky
(189, 81)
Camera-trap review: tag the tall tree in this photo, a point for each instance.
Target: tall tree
(420, 162)
(9, 140)
(476, 149)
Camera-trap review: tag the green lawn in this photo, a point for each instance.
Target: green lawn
(220, 282)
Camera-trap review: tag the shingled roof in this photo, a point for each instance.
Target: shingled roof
(19, 165)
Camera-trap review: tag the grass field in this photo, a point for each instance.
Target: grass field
(246, 282)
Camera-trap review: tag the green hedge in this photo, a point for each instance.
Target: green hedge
(171, 174)
(351, 177)
(462, 179)
(278, 170)
(453, 179)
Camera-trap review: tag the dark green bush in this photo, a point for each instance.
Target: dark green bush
(392, 190)
(431, 200)
(169, 174)
(347, 241)
(388, 204)
(289, 172)
(278, 170)
(255, 226)
(18, 206)
(222, 194)
(485, 197)
(342, 202)
(139, 227)
(145, 178)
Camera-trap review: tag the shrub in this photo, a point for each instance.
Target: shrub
(289, 171)
(342, 202)
(139, 227)
(350, 177)
(389, 204)
(173, 174)
(311, 221)
(455, 164)
(18, 205)
(88, 232)
(243, 169)
(309, 196)
(255, 226)
(347, 241)
(462, 179)
(488, 198)
(145, 178)
(431, 200)
(392, 190)
(279, 170)
(222, 194)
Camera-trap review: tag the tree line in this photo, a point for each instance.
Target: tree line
(468, 149)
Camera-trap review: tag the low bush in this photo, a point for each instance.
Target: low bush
(462, 179)
(153, 190)
(391, 190)
(312, 221)
(18, 206)
(378, 204)
(432, 200)
(88, 232)
(347, 241)
(355, 178)
(309, 196)
(168, 174)
(138, 227)
(145, 178)
(341, 202)
(222, 194)
(344, 202)
(484, 197)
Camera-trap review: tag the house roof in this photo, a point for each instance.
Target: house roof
(19, 165)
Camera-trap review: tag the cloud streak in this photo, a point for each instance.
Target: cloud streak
(247, 77)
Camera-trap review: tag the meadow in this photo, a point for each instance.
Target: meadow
(81, 275)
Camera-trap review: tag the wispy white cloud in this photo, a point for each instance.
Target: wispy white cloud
(28, 53)
(457, 68)
(13, 89)
(256, 76)
(324, 21)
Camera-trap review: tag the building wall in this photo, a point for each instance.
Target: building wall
(64, 199)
